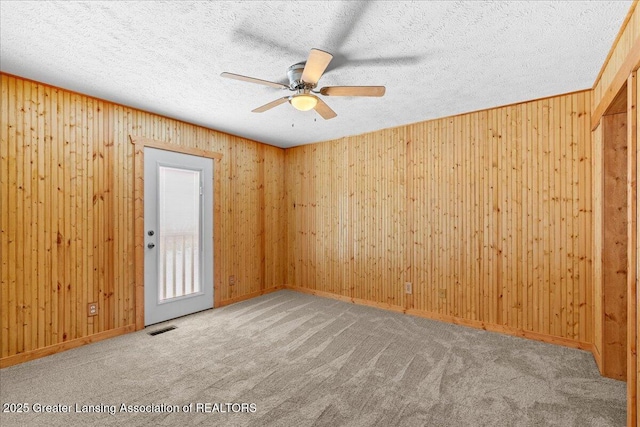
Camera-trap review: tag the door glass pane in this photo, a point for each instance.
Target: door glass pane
(179, 232)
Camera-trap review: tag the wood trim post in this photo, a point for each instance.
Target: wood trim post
(632, 255)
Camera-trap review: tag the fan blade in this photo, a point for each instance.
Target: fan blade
(254, 80)
(270, 105)
(353, 90)
(324, 110)
(316, 64)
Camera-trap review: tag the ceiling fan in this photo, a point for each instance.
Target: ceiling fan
(303, 79)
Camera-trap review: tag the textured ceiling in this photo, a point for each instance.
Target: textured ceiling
(435, 58)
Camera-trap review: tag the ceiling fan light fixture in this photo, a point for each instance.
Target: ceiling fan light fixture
(303, 102)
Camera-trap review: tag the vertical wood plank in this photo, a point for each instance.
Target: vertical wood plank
(43, 269)
(631, 397)
(5, 232)
(22, 243)
(598, 186)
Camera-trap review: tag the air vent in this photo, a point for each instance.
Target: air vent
(162, 331)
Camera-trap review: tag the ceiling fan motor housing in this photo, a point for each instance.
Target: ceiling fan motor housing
(295, 77)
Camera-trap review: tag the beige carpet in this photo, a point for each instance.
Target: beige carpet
(299, 360)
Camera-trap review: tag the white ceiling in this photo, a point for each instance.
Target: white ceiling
(435, 58)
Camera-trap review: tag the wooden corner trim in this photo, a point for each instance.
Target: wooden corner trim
(631, 64)
(621, 31)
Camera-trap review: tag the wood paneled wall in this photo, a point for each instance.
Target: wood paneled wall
(487, 214)
(66, 213)
(347, 216)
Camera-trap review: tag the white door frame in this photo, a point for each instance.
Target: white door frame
(139, 238)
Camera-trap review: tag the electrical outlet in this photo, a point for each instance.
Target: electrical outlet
(442, 293)
(408, 288)
(232, 280)
(93, 309)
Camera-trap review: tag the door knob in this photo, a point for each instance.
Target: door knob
(151, 245)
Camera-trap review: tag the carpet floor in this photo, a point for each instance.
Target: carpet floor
(291, 359)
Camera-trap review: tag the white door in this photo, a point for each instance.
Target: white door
(178, 222)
